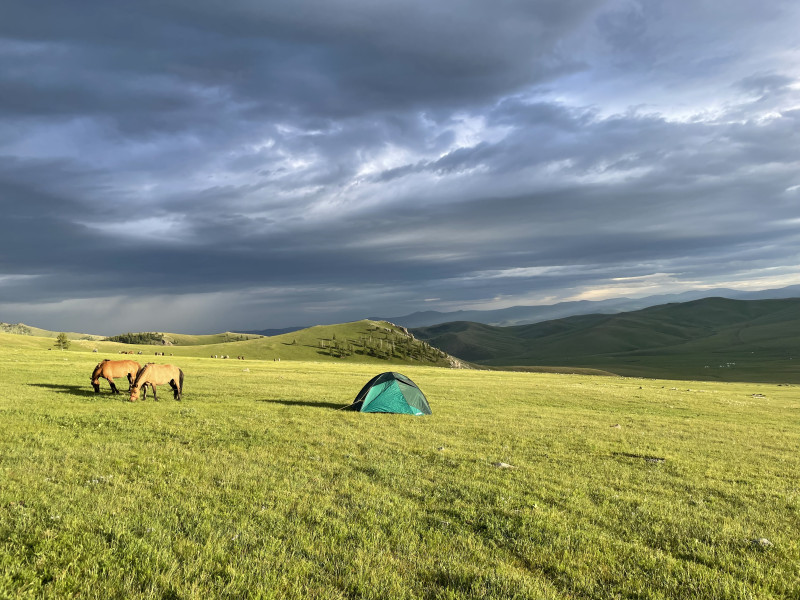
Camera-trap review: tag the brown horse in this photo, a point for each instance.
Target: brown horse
(152, 374)
(109, 369)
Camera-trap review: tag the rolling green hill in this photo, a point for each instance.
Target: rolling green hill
(359, 341)
(713, 338)
(22, 329)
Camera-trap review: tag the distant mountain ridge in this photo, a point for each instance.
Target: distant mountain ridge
(524, 315)
(711, 338)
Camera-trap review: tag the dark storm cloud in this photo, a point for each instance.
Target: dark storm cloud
(299, 161)
(306, 60)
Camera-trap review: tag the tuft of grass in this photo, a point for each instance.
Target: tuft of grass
(255, 485)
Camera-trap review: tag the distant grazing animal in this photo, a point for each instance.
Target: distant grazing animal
(109, 369)
(152, 375)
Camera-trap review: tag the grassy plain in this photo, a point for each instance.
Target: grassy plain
(256, 486)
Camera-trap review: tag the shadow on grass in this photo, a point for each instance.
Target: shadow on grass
(306, 403)
(650, 459)
(74, 390)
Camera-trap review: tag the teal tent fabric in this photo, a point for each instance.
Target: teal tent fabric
(391, 393)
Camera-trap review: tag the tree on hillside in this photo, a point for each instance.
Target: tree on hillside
(62, 341)
(153, 338)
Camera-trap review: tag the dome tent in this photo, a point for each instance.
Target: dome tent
(391, 393)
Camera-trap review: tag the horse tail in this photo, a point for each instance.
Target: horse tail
(180, 382)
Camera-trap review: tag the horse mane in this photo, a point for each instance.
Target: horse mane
(139, 374)
(99, 365)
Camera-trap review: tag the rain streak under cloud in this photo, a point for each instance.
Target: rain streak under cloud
(203, 166)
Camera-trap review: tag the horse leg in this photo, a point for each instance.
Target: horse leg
(130, 382)
(154, 392)
(175, 393)
(114, 389)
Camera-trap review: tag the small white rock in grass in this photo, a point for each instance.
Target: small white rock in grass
(617, 426)
(245, 370)
(502, 465)
(762, 543)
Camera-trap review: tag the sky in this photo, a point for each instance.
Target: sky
(197, 166)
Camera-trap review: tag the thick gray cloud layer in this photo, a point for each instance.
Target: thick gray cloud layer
(197, 166)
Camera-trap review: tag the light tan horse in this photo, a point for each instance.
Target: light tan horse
(109, 369)
(152, 375)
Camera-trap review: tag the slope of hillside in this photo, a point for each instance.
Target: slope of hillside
(713, 338)
(357, 342)
(22, 329)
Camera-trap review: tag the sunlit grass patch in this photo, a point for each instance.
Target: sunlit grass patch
(255, 485)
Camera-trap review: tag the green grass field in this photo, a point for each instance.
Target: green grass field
(256, 486)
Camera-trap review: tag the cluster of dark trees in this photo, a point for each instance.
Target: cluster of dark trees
(138, 338)
(235, 337)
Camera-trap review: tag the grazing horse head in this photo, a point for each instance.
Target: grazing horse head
(98, 370)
